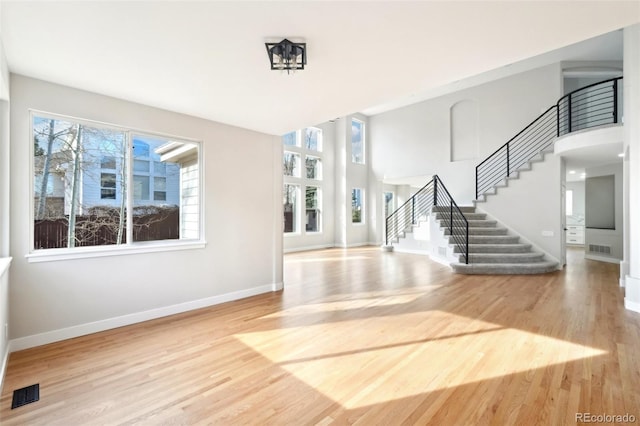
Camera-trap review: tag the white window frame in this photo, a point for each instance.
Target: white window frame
(130, 247)
(362, 206)
(364, 143)
(302, 181)
(319, 208)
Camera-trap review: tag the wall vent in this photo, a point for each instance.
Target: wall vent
(442, 251)
(595, 248)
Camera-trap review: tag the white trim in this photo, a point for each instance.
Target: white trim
(632, 306)
(53, 255)
(602, 258)
(3, 366)
(308, 248)
(624, 271)
(134, 318)
(5, 262)
(410, 251)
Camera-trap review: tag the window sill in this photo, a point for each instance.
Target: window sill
(52, 255)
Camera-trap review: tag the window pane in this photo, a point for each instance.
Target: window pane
(291, 164)
(290, 202)
(357, 141)
(290, 139)
(356, 205)
(166, 198)
(75, 204)
(312, 204)
(313, 138)
(314, 167)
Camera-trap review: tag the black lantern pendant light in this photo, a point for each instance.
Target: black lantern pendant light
(287, 55)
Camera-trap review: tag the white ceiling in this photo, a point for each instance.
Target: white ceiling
(207, 58)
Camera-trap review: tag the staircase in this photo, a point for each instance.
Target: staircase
(492, 249)
(482, 245)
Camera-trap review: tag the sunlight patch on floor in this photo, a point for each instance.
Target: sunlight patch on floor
(342, 305)
(376, 359)
(326, 259)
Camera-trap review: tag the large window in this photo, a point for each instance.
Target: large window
(302, 192)
(357, 141)
(104, 186)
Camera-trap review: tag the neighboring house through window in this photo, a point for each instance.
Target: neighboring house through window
(83, 172)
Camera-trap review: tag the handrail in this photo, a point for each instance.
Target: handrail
(458, 233)
(433, 194)
(590, 106)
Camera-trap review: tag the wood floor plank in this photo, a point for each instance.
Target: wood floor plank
(358, 336)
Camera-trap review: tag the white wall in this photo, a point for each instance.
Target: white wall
(607, 237)
(531, 206)
(630, 267)
(4, 208)
(348, 176)
(242, 221)
(415, 140)
(578, 198)
(313, 240)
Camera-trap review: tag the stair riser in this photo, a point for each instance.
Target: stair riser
(463, 209)
(468, 216)
(472, 223)
(476, 231)
(498, 248)
(511, 269)
(481, 239)
(504, 258)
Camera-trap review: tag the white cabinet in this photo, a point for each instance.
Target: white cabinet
(575, 234)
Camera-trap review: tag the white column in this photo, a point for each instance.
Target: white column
(341, 206)
(632, 147)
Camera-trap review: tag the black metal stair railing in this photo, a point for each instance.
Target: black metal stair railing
(591, 106)
(433, 195)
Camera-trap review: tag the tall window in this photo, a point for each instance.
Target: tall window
(356, 205)
(290, 204)
(312, 201)
(302, 193)
(357, 141)
(96, 186)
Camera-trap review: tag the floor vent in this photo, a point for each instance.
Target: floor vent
(595, 248)
(25, 396)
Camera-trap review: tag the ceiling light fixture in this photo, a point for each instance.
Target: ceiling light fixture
(572, 172)
(287, 56)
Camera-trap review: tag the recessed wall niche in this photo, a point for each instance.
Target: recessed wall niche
(463, 144)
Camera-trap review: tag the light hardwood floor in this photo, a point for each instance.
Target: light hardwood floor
(357, 336)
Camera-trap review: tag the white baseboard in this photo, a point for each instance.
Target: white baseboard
(411, 251)
(107, 324)
(308, 248)
(632, 306)
(3, 366)
(602, 258)
(632, 291)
